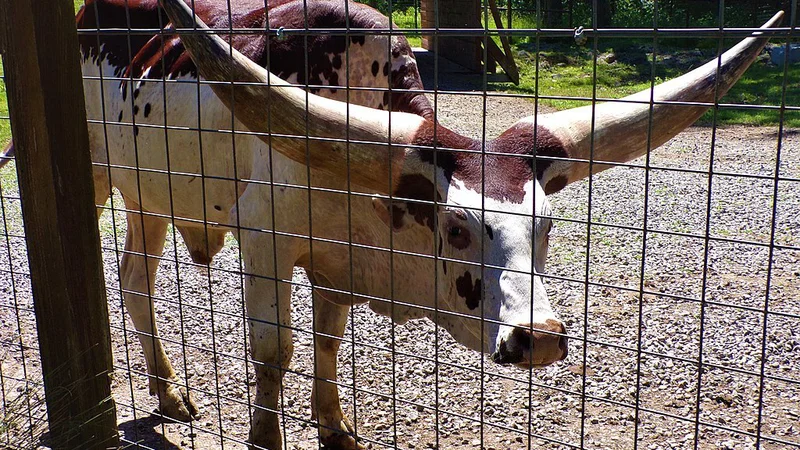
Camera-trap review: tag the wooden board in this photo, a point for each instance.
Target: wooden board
(48, 123)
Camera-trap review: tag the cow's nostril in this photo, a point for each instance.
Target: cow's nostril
(504, 355)
(564, 346)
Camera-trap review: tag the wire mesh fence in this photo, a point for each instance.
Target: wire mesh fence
(242, 259)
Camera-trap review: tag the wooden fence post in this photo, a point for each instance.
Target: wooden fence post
(48, 122)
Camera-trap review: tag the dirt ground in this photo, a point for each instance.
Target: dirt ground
(640, 354)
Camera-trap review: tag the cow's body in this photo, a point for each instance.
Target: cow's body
(142, 107)
(205, 184)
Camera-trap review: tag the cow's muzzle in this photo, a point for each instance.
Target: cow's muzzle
(533, 345)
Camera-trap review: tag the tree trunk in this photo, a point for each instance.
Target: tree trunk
(553, 13)
(605, 12)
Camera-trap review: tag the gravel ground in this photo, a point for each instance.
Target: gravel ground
(507, 408)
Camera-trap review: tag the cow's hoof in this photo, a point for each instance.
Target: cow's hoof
(340, 440)
(263, 443)
(175, 403)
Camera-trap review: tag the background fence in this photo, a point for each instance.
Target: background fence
(677, 275)
(625, 13)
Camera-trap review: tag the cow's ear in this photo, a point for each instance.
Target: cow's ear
(397, 217)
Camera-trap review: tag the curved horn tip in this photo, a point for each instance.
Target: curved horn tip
(775, 20)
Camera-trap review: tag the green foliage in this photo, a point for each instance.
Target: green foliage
(394, 6)
(5, 125)
(569, 71)
(408, 18)
(671, 13)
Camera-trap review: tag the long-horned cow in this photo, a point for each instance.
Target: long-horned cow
(351, 192)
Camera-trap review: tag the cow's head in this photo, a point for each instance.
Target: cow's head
(483, 209)
(486, 225)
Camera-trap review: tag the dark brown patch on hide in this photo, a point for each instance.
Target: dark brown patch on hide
(398, 217)
(469, 291)
(163, 55)
(407, 77)
(113, 47)
(415, 187)
(502, 177)
(430, 135)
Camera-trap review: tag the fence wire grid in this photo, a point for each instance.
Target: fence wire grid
(676, 275)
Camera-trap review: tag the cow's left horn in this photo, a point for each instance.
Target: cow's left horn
(621, 129)
(263, 102)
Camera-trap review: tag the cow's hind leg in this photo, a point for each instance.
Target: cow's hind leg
(336, 431)
(137, 279)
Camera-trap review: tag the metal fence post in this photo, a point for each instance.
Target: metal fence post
(55, 176)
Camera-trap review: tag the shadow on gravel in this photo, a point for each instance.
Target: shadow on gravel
(452, 77)
(755, 131)
(143, 433)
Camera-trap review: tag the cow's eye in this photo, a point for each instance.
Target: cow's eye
(458, 236)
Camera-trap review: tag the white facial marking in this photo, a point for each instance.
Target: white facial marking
(513, 294)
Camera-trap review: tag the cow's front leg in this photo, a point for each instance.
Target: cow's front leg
(144, 243)
(269, 317)
(335, 430)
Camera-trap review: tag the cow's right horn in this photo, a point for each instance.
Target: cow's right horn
(335, 128)
(618, 132)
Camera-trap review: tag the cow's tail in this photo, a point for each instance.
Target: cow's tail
(7, 155)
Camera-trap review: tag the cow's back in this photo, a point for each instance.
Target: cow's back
(327, 62)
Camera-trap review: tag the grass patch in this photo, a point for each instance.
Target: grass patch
(762, 84)
(5, 122)
(569, 71)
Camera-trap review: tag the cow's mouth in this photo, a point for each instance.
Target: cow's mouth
(504, 356)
